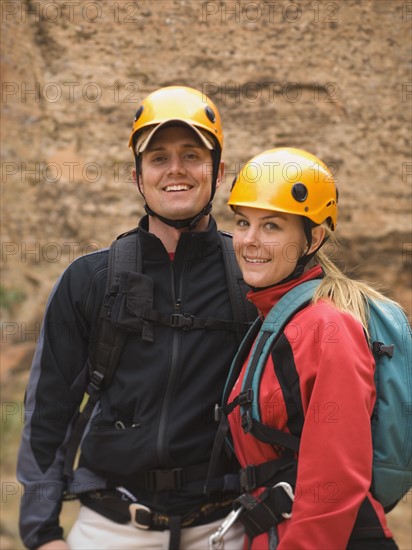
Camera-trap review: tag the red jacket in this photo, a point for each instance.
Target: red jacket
(336, 374)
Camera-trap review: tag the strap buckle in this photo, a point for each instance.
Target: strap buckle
(95, 383)
(248, 478)
(139, 514)
(245, 397)
(247, 422)
(164, 480)
(185, 321)
(380, 349)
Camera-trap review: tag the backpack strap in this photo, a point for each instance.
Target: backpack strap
(279, 476)
(124, 255)
(260, 339)
(272, 327)
(243, 310)
(221, 413)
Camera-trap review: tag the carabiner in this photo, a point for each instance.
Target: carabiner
(216, 540)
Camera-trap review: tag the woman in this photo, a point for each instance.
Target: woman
(285, 204)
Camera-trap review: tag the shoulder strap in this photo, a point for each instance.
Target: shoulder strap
(240, 358)
(243, 310)
(271, 329)
(258, 342)
(288, 306)
(124, 255)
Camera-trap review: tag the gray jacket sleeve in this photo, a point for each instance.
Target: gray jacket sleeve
(54, 393)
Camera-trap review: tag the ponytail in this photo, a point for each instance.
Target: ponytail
(347, 294)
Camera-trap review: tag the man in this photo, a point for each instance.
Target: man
(146, 447)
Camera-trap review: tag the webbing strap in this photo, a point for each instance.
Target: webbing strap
(124, 254)
(266, 511)
(257, 517)
(270, 331)
(272, 435)
(243, 310)
(240, 357)
(218, 445)
(107, 354)
(175, 531)
(226, 409)
(268, 473)
(186, 321)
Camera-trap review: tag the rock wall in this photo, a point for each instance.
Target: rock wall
(330, 77)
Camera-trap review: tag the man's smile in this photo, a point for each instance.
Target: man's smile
(177, 187)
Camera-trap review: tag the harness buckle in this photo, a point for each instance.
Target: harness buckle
(139, 513)
(185, 321)
(96, 379)
(248, 478)
(164, 480)
(247, 422)
(246, 397)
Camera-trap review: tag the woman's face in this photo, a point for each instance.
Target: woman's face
(268, 244)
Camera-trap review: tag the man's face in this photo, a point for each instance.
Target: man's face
(176, 173)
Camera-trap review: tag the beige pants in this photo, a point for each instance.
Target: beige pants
(91, 531)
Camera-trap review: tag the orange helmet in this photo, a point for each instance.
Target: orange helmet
(287, 180)
(177, 104)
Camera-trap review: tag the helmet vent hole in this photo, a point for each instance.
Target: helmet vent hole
(210, 114)
(299, 192)
(138, 113)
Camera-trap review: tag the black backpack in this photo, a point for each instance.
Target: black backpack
(125, 262)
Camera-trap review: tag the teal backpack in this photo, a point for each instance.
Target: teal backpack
(391, 344)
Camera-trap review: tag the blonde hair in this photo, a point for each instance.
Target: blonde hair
(346, 294)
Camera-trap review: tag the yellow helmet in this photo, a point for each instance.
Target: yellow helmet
(180, 104)
(287, 180)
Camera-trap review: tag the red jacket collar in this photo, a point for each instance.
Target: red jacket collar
(265, 299)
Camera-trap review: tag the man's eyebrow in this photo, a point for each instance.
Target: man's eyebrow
(187, 145)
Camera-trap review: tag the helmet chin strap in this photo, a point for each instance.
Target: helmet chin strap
(190, 223)
(305, 258)
(193, 221)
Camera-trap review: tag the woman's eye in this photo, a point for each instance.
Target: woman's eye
(241, 223)
(271, 226)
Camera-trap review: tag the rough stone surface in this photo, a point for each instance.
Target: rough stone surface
(330, 77)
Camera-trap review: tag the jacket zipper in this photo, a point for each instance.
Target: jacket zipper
(167, 401)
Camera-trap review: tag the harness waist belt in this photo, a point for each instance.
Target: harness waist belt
(114, 506)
